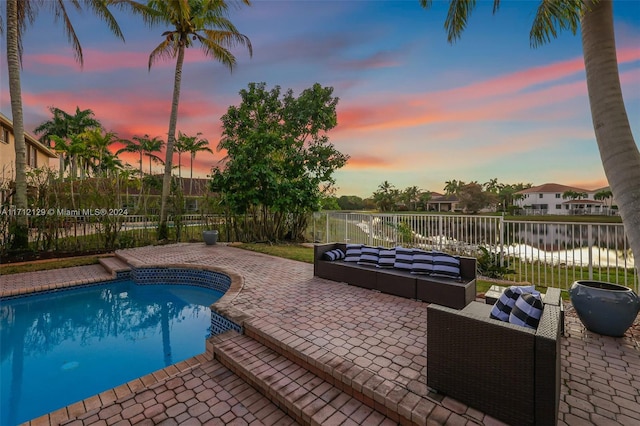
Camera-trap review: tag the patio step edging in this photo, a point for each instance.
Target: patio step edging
(301, 394)
(395, 402)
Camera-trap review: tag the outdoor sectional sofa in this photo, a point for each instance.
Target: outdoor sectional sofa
(505, 370)
(451, 292)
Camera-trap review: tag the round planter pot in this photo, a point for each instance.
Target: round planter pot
(604, 308)
(210, 237)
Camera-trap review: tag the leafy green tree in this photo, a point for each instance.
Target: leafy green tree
(618, 150)
(350, 202)
(191, 22)
(386, 197)
(279, 159)
(472, 198)
(329, 202)
(19, 15)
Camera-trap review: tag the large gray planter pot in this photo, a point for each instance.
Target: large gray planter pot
(605, 308)
(210, 237)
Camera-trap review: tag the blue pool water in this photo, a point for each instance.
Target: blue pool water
(61, 347)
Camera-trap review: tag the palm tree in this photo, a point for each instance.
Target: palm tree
(66, 126)
(492, 186)
(424, 199)
(411, 196)
(134, 146)
(149, 146)
(58, 125)
(180, 147)
(193, 145)
(99, 141)
(144, 145)
(386, 196)
(451, 187)
(602, 195)
(619, 153)
(191, 21)
(19, 15)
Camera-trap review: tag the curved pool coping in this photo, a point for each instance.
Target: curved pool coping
(222, 307)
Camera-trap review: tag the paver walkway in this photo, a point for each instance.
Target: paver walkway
(381, 337)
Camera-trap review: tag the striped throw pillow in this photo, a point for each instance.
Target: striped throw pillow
(404, 258)
(507, 300)
(386, 258)
(422, 262)
(445, 265)
(369, 256)
(335, 254)
(353, 252)
(527, 311)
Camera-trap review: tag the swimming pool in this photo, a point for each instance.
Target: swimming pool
(64, 346)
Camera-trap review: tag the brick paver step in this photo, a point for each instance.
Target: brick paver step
(113, 265)
(397, 402)
(306, 397)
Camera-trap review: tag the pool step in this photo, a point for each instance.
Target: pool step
(113, 265)
(303, 395)
(398, 403)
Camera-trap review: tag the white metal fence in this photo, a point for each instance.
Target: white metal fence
(539, 252)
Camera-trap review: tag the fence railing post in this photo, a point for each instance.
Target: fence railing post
(370, 229)
(327, 233)
(590, 251)
(501, 236)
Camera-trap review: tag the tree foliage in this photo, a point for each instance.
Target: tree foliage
(350, 202)
(279, 159)
(386, 197)
(473, 198)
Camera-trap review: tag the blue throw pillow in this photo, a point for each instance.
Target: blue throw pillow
(422, 262)
(404, 258)
(353, 252)
(369, 256)
(445, 265)
(386, 257)
(335, 254)
(527, 311)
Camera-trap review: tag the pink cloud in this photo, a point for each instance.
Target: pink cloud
(102, 61)
(502, 98)
(364, 161)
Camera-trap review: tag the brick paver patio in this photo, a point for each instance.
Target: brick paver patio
(363, 348)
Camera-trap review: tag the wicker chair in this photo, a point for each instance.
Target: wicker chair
(506, 371)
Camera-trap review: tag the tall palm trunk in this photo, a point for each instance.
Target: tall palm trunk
(171, 137)
(618, 150)
(21, 231)
(193, 154)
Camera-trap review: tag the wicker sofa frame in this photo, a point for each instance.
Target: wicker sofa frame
(443, 291)
(507, 371)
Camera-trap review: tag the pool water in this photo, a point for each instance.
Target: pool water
(60, 347)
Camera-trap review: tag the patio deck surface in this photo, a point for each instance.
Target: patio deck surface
(368, 345)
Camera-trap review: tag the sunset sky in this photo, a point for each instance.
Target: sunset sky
(413, 110)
